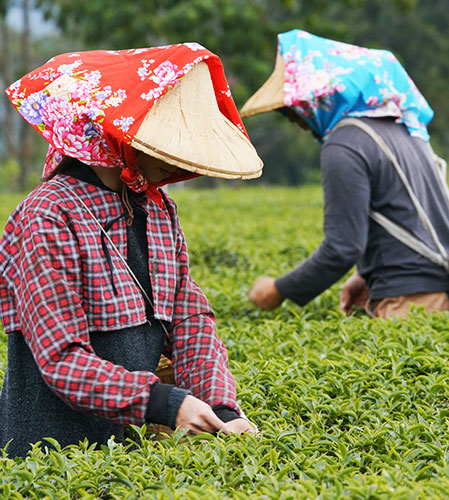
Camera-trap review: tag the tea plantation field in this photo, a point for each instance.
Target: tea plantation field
(346, 407)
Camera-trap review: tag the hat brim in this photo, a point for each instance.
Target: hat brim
(185, 128)
(270, 95)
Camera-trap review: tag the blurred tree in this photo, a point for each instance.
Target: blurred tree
(6, 77)
(15, 153)
(25, 130)
(21, 50)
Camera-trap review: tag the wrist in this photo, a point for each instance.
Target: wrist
(164, 403)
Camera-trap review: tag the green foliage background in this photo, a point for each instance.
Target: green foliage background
(346, 407)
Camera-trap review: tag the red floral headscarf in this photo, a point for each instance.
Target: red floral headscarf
(89, 105)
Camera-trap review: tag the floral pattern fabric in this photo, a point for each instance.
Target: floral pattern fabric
(326, 80)
(89, 105)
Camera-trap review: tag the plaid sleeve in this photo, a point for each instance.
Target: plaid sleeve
(54, 324)
(199, 356)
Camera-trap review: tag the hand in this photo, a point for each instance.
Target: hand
(241, 425)
(198, 416)
(264, 294)
(354, 293)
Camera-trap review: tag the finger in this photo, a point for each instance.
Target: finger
(254, 287)
(344, 305)
(242, 428)
(344, 295)
(252, 428)
(208, 422)
(346, 308)
(241, 425)
(253, 296)
(226, 430)
(201, 426)
(215, 423)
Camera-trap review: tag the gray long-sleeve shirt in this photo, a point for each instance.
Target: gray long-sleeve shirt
(357, 177)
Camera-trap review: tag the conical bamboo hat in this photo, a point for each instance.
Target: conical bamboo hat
(270, 96)
(186, 128)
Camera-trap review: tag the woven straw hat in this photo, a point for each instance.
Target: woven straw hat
(270, 96)
(185, 128)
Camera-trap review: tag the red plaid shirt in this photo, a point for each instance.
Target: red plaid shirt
(55, 287)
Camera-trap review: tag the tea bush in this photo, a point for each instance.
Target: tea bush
(347, 407)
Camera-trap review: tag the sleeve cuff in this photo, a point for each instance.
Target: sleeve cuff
(174, 400)
(225, 413)
(164, 403)
(280, 284)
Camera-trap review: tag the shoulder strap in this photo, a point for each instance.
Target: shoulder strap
(114, 247)
(442, 173)
(406, 237)
(409, 240)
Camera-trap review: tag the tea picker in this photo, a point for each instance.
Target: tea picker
(386, 203)
(94, 272)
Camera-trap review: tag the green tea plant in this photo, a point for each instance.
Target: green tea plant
(7, 204)
(347, 407)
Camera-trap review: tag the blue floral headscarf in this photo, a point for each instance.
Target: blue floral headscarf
(326, 80)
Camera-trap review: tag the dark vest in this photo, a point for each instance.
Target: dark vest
(30, 411)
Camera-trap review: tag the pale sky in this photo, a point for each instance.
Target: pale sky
(38, 24)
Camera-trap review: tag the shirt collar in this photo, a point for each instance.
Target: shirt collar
(84, 173)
